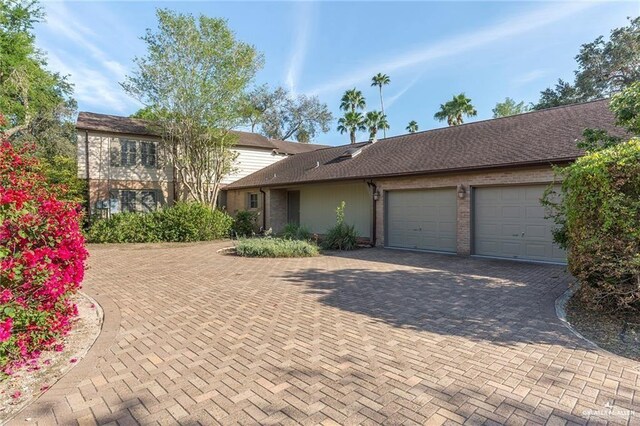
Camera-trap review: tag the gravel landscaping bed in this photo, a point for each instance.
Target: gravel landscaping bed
(617, 334)
(26, 384)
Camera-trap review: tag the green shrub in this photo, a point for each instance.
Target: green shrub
(124, 228)
(599, 218)
(275, 247)
(293, 231)
(341, 236)
(245, 223)
(183, 222)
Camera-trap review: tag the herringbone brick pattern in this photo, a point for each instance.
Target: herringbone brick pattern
(369, 337)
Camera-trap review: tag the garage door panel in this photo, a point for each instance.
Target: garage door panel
(422, 219)
(517, 228)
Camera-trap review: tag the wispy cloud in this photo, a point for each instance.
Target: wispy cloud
(460, 44)
(529, 77)
(93, 72)
(301, 34)
(393, 98)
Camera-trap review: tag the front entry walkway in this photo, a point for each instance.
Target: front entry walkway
(369, 337)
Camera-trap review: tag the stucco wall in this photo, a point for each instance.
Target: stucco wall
(318, 205)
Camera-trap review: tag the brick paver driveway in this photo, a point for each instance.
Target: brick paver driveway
(374, 336)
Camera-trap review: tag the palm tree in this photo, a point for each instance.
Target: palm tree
(352, 100)
(454, 110)
(381, 80)
(374, 121)
(412, 127)
(352, 122)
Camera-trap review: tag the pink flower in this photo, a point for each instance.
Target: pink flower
(17, 394)
(5, 296)
(6, 327)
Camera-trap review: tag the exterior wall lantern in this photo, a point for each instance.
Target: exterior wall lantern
(461, 191)
(376, 195)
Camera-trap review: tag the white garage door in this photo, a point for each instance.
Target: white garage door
(424, 219)
(510, 222)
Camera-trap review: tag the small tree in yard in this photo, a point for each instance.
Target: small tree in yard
(193, 82)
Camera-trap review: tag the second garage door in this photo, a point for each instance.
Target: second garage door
(510, 222)
(422, 219)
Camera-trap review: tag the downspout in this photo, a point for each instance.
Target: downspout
(86, 165)
(264, 210)
(374, 212)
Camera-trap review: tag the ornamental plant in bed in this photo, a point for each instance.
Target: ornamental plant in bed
(42, 257)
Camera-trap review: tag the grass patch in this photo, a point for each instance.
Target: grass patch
(275, 247)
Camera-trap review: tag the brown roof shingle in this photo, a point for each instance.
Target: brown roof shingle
(538, 137)
(133, 126)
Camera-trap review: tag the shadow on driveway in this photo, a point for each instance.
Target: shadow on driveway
(503, 302)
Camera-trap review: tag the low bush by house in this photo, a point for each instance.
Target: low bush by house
(293, 231)
(341, 236)
(244, 224)
(600, 225)
(42, 257)
(275, 247)
(182, 222)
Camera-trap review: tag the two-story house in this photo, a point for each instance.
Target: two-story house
(126, 170)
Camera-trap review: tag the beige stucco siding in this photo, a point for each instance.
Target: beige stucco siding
(251, 160)
(318, 205)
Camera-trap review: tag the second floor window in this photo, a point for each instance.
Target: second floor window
(128, 152)
(148, 154)
(132, 153)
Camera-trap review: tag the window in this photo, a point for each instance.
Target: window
(252, 201)
(148, 155)
(128, 153)
(140, 201)
(128, 201)
(148, 201)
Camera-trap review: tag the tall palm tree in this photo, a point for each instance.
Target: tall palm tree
(454, 110)
(352, 100)
(374, 121)
(412, 127)
(381, 80)
(352, 122)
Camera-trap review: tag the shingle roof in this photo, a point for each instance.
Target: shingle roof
(133, 126)
(538, 137)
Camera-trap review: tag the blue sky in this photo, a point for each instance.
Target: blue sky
(431, 50)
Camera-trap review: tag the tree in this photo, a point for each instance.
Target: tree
(564, 93)
(36, 103)
(605, 67)
(412, 127)
(352, 100)
(381, 80)
(352, 122)
(454, 110)
(374, 121)
(193, 79)
(509, 107)
(279, 115)
(626, 109)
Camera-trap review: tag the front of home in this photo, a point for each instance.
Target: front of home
(468, 189)
(126, 170)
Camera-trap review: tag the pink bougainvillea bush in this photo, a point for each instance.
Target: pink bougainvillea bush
(42, 257)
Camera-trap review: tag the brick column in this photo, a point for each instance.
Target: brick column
(463, 233)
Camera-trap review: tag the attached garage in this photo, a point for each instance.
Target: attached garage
(422, 219)
(509, 222)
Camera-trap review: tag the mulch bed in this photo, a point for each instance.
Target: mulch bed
(29, 382)
(619, 334)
